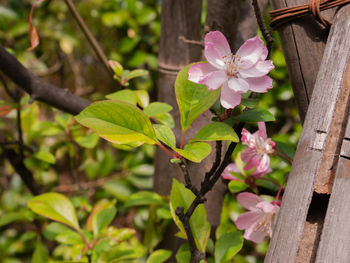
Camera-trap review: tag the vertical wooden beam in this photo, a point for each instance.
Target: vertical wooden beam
(303, 43)
(312, 148)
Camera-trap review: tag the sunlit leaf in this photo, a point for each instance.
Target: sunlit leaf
(195, 152)
(216, 131)
(118, 122)
(126, 95)
(56, 207)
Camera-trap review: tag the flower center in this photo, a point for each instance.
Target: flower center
(264, 146)
(264, 224)
(231, 62)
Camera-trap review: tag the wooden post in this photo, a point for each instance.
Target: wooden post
(303, 42)
(299, 224)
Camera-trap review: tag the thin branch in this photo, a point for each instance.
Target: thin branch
(207, 184)
(38, 88)
(216, 162)
(26, 175)
(93, 42)
(266, 33)
(187, 177)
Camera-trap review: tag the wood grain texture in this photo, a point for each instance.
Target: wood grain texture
(285, 243)
(303, 43)
(335, 239)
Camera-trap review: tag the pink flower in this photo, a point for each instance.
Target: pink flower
(235, 73)
(259, 148)
(258, 222)
(232, 167)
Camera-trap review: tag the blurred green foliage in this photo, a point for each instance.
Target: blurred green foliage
(69, 159)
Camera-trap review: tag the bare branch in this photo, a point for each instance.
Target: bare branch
(38, 88)
(266, 33)
(93, 42)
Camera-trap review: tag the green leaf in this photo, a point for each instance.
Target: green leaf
(165, 118)
(21, 215)
(56, 207)
(255, 115)
(193, 99)
(165, 134)
(45, 156)
(236, 187)
(183, 254)
(286, 148)
(126, 95)
(182, 197)
(117, 67)
(102, 219)
(216, 131)
(144, 198)
(250, 103)
(157, 108)
(224, 228)
(227, 246)
(142, 98)
(159, 256)
(195, 152)
(88, 141)
(40, 254)
(63, 120)
(118, 122)
(137, 73)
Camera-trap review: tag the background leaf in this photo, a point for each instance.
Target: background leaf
(255, 115)
(159, 256)
(102, 219)
(56, 207)
(227, 246)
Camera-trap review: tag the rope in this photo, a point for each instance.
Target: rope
(314, 7)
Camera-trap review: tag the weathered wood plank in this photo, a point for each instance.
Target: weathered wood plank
(335, 239)
(303, 43)
(285, 244)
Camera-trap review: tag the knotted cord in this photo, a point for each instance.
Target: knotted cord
(314, 7)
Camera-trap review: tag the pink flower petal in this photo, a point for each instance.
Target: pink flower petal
(238, 84)
(218, 39)
(253, 50)
(260, 69)
(229, 98)
(262, 129)
(214, 80)
(258, 174)
(248, 200)
(260, 84)
(248, 219)
(214, 57)
(248, 138)
(264, 164)
(199, 70)
(232, 167)
(255, 236)
(267, 207)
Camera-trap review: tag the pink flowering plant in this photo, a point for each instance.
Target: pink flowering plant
(223, 85)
